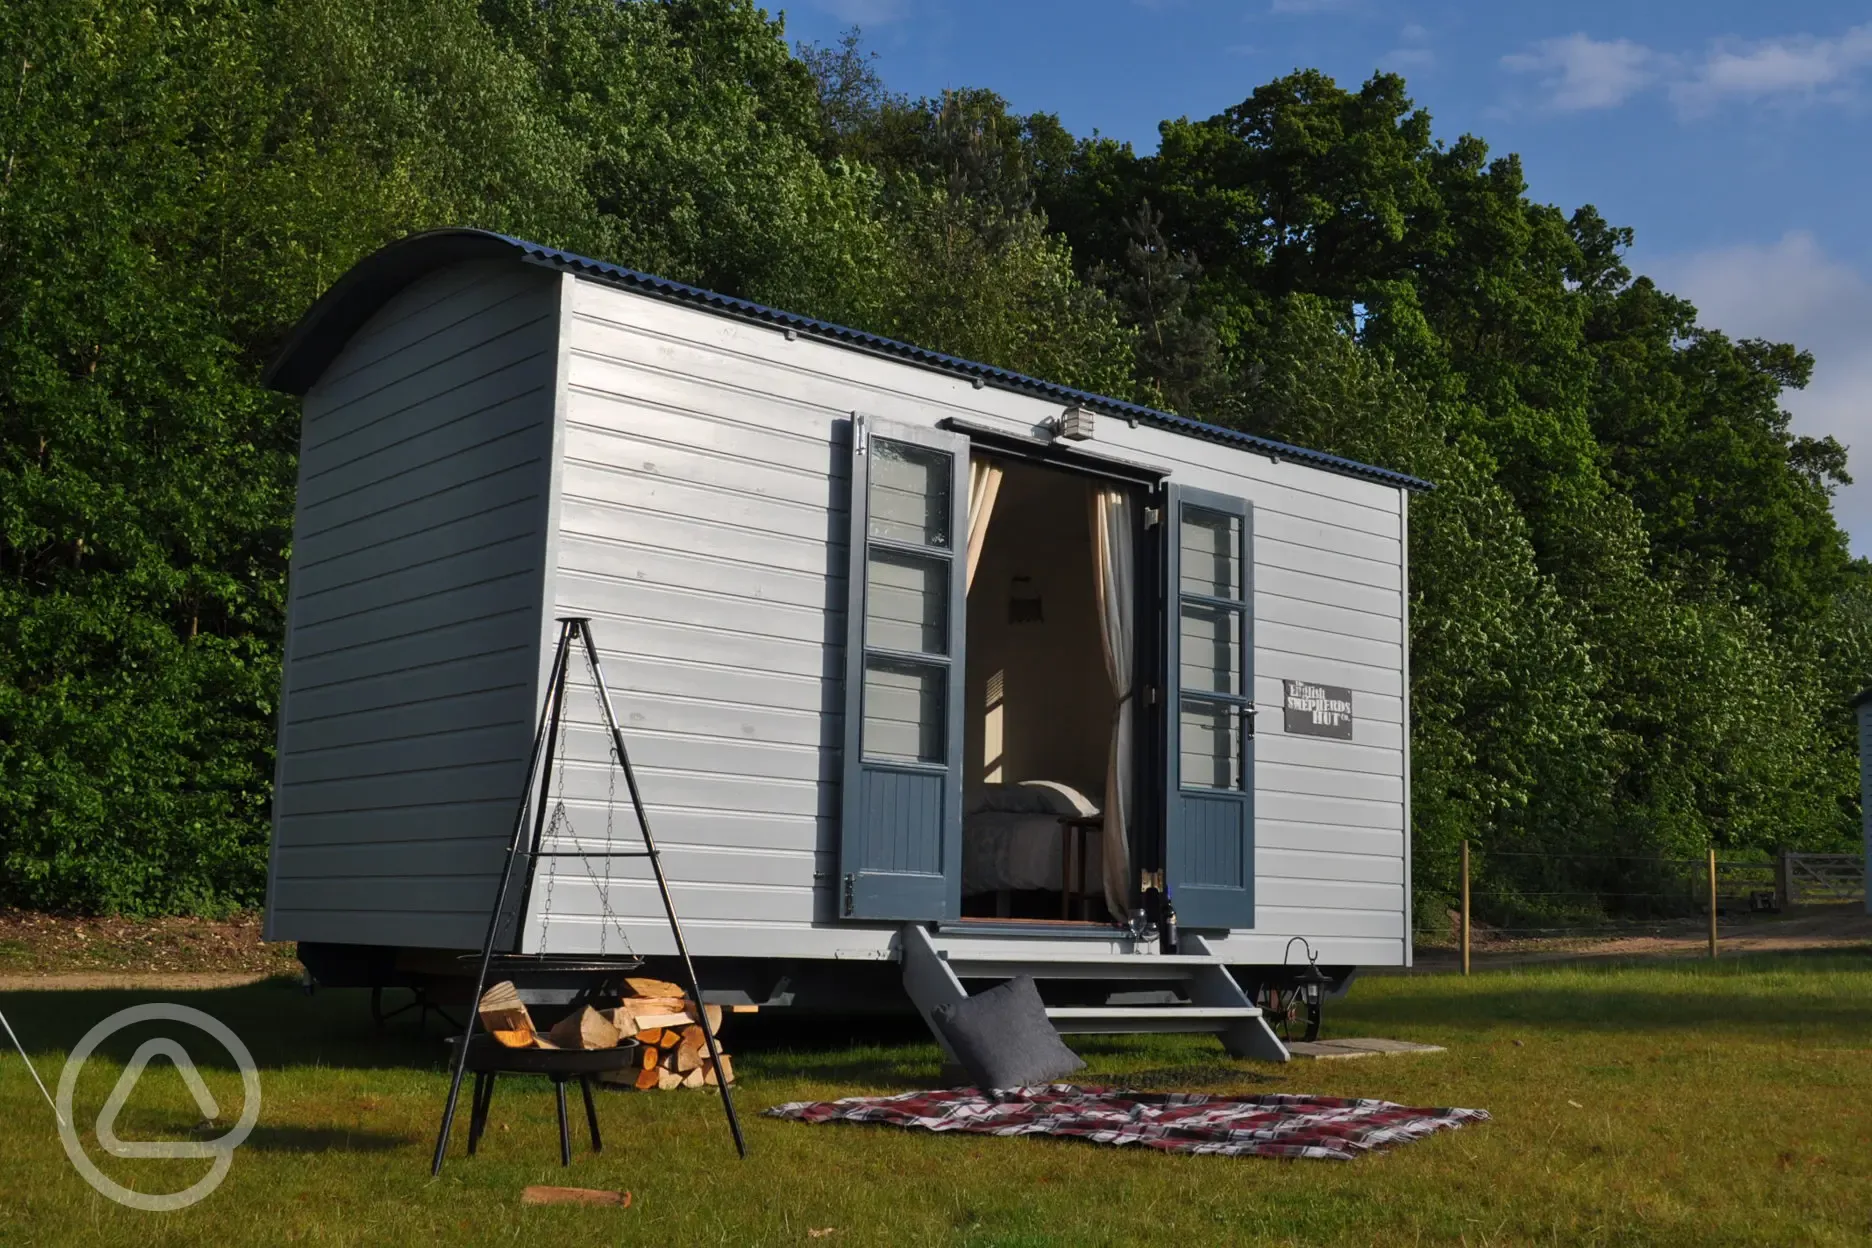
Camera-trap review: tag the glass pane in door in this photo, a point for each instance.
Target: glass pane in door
(905, 720)
(906, 603)
(1210, 740)
(910, 493)
(1211, 553)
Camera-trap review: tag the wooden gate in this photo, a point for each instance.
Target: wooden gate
(1807, 879)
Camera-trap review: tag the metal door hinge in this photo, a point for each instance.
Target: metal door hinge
(851, 884)
(1150, 695)
(1153, 516)
(861, 435)
(1248, 713)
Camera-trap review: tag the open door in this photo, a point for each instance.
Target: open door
(1209, 708)
(900, 841)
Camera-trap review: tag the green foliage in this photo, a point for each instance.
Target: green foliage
(1634, 621)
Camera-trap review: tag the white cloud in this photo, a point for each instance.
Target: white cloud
(1408, 58)
(1792, 291)
(1412, 50)
(1798, 66)
(1580, 72)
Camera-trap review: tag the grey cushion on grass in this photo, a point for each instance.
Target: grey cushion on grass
(1004, 1039)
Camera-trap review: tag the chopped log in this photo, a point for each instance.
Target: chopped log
(650, 1037)
(587, 1029)
(708, 1071)
(693, 1079)
(745, 1009)
(685, 1059)
(668, 1080)
(648, 1079)
(647, 1057)
(655, 988)
(670, 1038)
(573, 1196)
(644, 1022)
(714, 1017)
(505, 1015)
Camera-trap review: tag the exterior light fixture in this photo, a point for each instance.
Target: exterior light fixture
(1074, 423)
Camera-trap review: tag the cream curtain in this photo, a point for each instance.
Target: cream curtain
(1115, 561)
(984, 484)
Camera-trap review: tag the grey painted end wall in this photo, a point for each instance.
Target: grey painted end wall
(414, 613)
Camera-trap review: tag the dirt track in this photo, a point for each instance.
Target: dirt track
(1820, 927)
(187, 981)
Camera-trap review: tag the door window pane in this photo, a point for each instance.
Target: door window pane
(910, 493)
(1210, 745)
(905, 720)
(906, 603)
(1211, 553)
(1210, 648)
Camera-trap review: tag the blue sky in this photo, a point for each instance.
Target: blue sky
(1735, 138)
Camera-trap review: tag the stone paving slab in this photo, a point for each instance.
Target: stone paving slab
(1330, 1050)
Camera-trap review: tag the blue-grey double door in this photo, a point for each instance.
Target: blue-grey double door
(901, 803)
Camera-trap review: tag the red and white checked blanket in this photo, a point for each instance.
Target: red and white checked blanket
(1276, 1125)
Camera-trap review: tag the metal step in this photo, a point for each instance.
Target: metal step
(1006, 964)
(933, 978)
(1127, 1020)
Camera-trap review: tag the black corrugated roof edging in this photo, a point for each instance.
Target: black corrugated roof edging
(322, 332)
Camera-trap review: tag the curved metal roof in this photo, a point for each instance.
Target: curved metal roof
(322, 332)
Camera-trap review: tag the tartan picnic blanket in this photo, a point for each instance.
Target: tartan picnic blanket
(1276, 1125)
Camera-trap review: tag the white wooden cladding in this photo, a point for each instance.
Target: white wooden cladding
(687, 431)
(698, 503)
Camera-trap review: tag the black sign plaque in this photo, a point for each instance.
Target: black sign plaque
(1317, 710)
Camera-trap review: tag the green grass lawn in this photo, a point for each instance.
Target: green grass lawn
(1693, 1104)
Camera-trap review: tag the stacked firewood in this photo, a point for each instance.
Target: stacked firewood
(658, 1015)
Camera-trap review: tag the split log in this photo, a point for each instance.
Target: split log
(708, 1071)
(587, 1029)
(668, 1081)
(647, 1057)
(505, 1016)
(647, 1079)
(573, 1196)
(693, 1079)
(745, 1009)
(650, 1037)
(647, 1022)
(655, 988)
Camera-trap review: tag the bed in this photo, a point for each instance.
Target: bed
(1019, 836)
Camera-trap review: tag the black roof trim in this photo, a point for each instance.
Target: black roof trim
(341, 311)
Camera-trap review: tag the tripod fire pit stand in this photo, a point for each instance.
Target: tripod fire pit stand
(533, 815)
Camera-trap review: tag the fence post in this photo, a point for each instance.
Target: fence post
(1465, 907)
(1784, 881)
(1712, 900)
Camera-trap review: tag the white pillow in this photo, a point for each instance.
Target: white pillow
(1036, 797)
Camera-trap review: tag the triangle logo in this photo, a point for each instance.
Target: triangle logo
(126, 1083)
